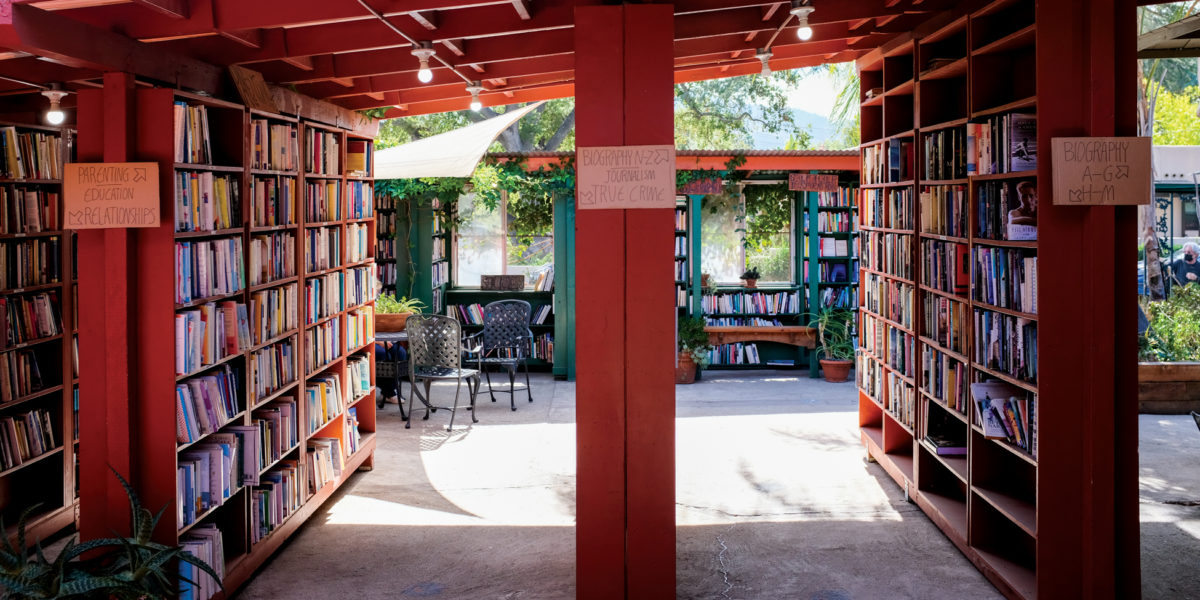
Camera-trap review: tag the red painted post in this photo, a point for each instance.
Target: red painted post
(105, 318)
(625, 533)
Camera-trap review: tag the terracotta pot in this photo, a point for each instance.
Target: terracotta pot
(704, 279)
(685, 371)
(836, 371)
(750, 283)
(390, 322)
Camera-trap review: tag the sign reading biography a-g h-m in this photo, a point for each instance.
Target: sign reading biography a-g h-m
(1104, 171)
(625, 177)
(110, 195)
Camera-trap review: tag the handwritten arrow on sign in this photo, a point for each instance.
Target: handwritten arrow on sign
(1122, 171)
(139, 174)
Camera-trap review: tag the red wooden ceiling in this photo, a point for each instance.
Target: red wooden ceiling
(338, 50)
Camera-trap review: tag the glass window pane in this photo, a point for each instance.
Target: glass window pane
(530, 226)
(480, 248)
(721, 254)
(769, 232)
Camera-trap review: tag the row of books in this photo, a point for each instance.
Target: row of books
(734, 354)
(323, 151)
(888, 298)
(681, 219)
(944, 378)
(543, 347)
(29, 318)
(207, 268)
(323, 201)
(841, 198)
(899, 351)
(22, 375)
(387, 274)
(944, 210)
(323, 297)
(385, 224)
(273, 146)
(208, 333)
(831, 247)
(682, 297)
(945, 266)
(544, 281)
(358, 372)
(272, 201)
(274, 431)
(28, 210)
(888, 162)
(273, 312)
(890, 253)
(360, 285)
(1002, 144)
(834, 272)
(386, 202)
(206, 544)
(385, 249)
(681, 269)
(945, 322)
(272, 257)
(26, 436)
(681, 246)
(873, 331)
(323, 344)
(358, 242)
(840, 297)
(1007, 344)
(276, 497)
(1007, 413)
(359, 157)
(30, 154)
(360, 202)
(1006, 277)
(901, 400)
(323, 401)
(438, 249)
(207, 476)
(205, 201)
(192, 141)
(440, 274)
(889, 208)
(272, 368)
(742, 322)
(352, 435)
(360, 327)
(206, 404)
(752, 302)
(30, 262)
(1006, 210)
(323, 248)
(325, 462)
(834, 222)
(945, 154)
(870, 376)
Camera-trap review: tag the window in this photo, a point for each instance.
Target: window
(516, 237)
(753, 230)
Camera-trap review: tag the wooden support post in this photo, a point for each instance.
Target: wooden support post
(626, 409)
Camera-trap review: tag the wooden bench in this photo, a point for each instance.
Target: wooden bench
(792, 335)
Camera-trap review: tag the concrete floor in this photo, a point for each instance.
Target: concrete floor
(1169, 456)
(774, 500)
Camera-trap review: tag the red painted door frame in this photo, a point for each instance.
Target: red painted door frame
(625, 317)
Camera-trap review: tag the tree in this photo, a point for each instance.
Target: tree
(549, 127)
(1175, 120)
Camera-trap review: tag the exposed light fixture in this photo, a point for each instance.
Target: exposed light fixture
(474, 90)
(801, 11)
(764, 55)
(424, 51)
(55, 114)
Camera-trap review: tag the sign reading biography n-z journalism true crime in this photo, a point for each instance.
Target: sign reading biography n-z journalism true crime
(1102, 171)
(110, 195)
(625, 177)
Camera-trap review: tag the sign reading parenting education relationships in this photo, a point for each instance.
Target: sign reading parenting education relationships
(1102, 171)
(110, 195)
(626, 176)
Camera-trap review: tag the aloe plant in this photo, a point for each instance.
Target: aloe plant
(390, 305)
(119, 567)
(835, 333)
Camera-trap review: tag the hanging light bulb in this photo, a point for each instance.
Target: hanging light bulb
(474, 90)
(424, 51)
(764, 55)
(55, 114)
(801, 11)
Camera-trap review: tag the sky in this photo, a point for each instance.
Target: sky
(816, 94)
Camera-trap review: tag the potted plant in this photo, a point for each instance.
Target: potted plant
(836, 343)
(391, 313)
(693, 349)
(750, 277)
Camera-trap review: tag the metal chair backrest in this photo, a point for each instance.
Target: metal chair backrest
(434, 341)
(506, 325)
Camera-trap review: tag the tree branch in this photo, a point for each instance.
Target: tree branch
(561, 133)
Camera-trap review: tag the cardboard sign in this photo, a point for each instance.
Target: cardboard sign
(626, 177)
(253, 89)
(703, 186)
(1102, 171)
(811, 182)
(110, 195)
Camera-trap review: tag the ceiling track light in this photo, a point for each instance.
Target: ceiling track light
(801, 11)
(424, 51)
(55, 114)
(474, 90)
(764, 55)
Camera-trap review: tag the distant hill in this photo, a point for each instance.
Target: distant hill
(822, 130)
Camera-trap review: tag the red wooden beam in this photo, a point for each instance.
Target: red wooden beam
(522, 8)
(176, 9)
(428, 20)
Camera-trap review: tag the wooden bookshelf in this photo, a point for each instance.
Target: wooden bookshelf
(974, 66)
(45, 482)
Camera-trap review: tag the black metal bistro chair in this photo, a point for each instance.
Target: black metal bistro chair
(506, 340)
(391, 371)
(435, 354)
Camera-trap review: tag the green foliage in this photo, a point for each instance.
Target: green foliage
(1175, 117)
(774, 262)
(1174, 333)
(693, 339)
(1175, 74)
(715, 114)
(752, 274)
(549, 127)
(388, 304)
(130, 568)
(835, 333)
(768, 213)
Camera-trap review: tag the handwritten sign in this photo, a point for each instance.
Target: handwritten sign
(703, 186)
(253, 89)
(1101, 171)
(626, 177)
(812, 182)
(110, 195)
